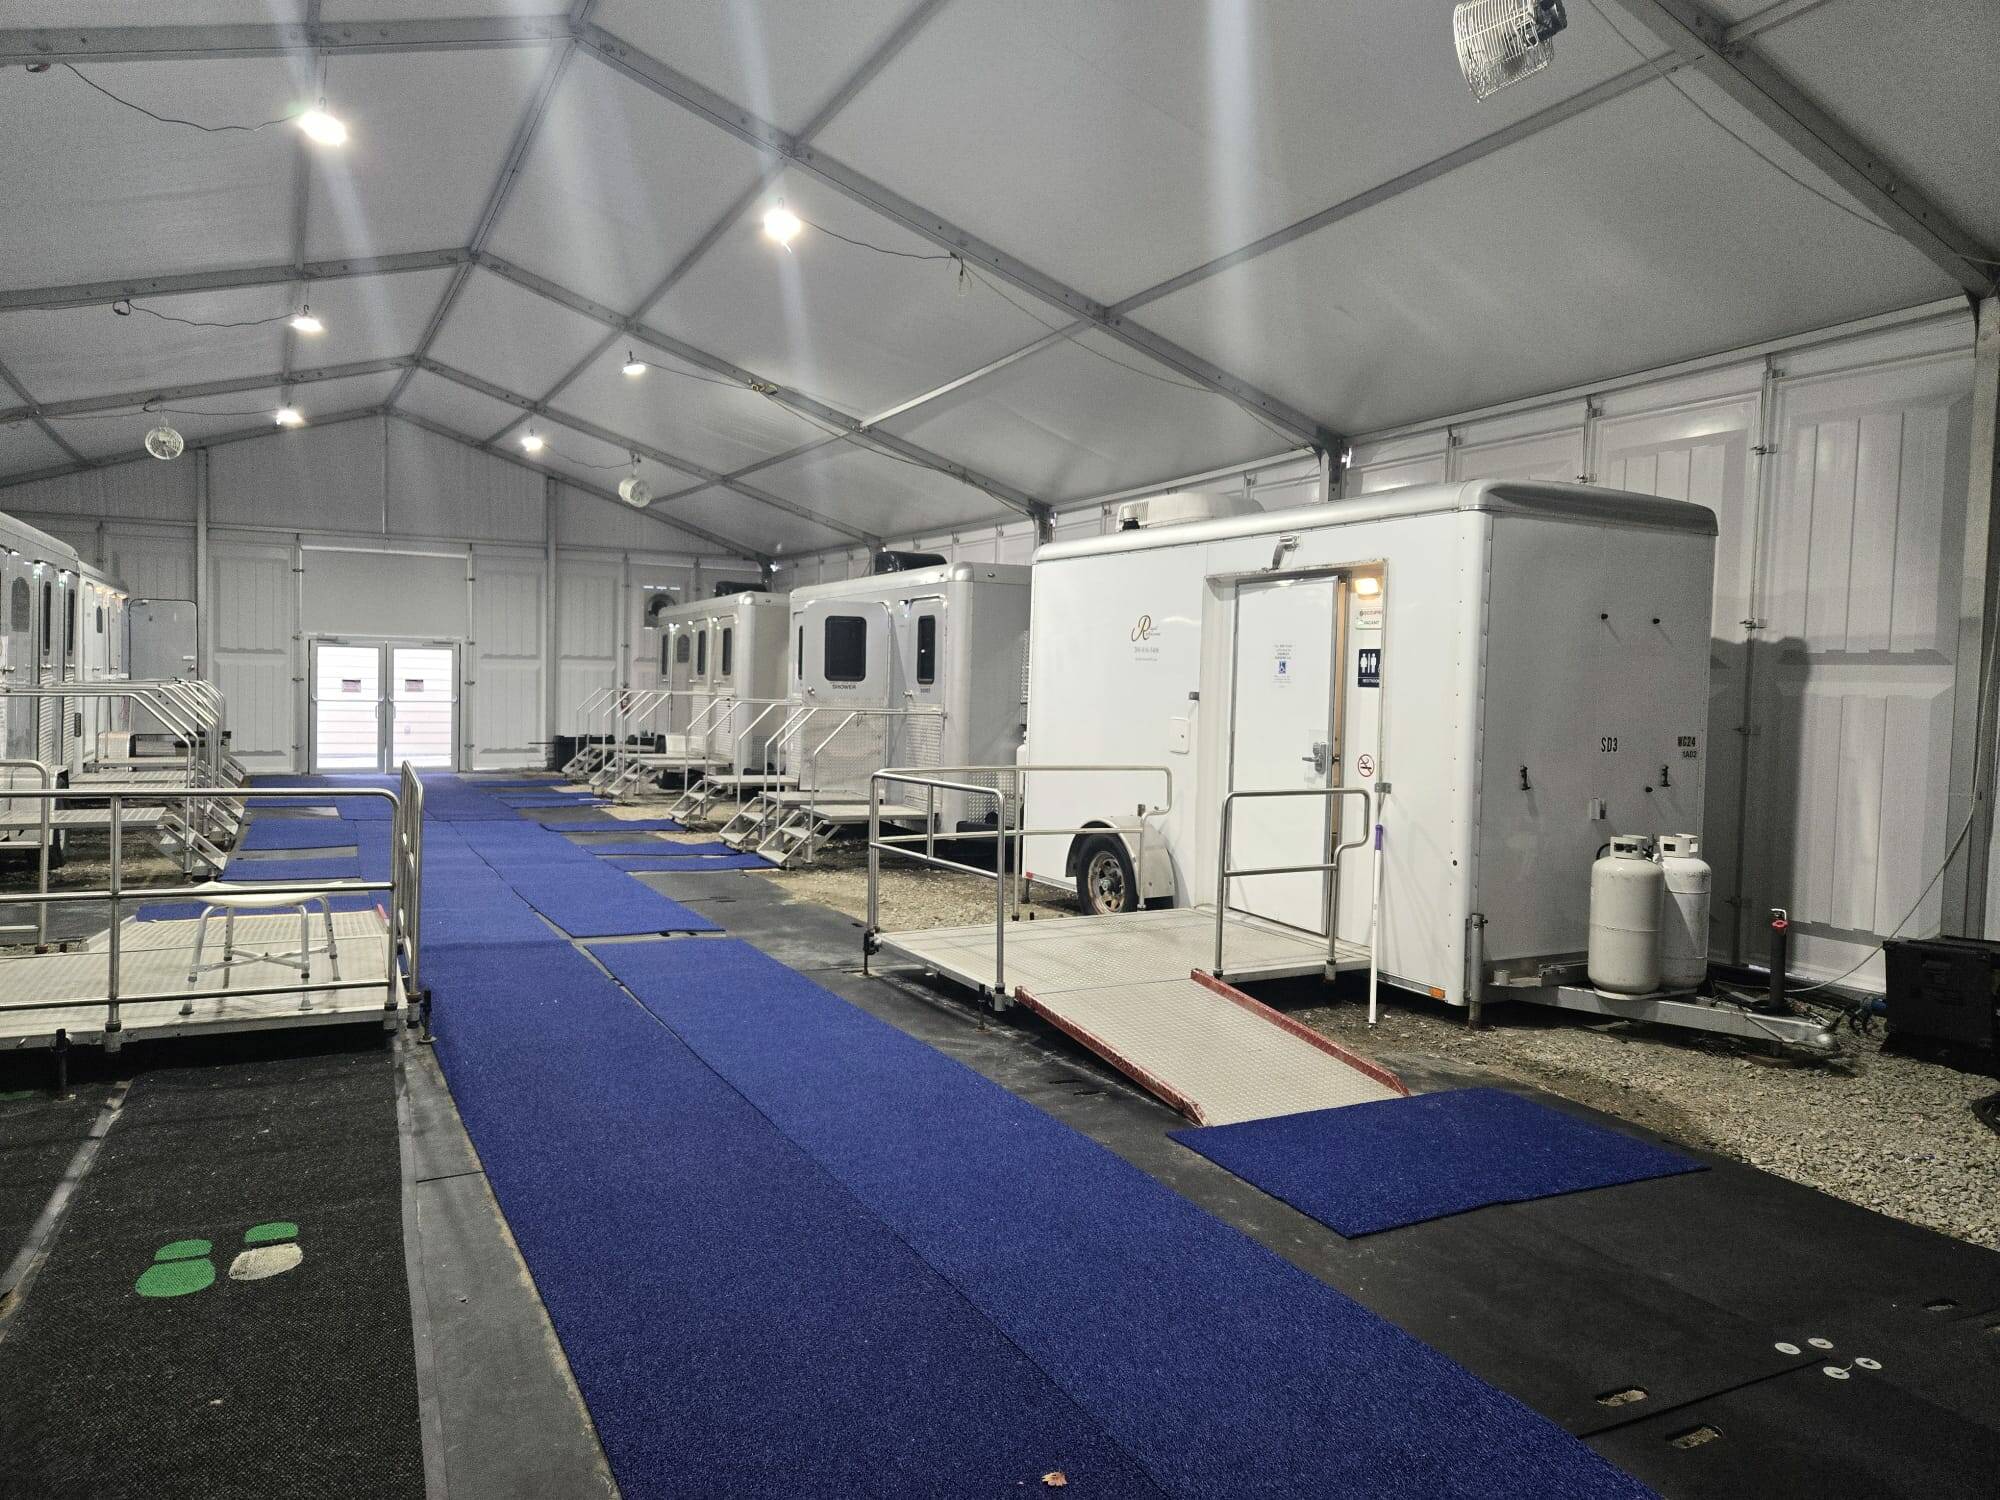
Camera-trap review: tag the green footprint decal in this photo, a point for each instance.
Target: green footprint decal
(184, 1266)
(178, 1269)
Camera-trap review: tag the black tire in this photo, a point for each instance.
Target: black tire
(1104, 879)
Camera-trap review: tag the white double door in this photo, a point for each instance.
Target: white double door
(377, 704)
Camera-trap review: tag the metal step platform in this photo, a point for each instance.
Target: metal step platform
(1134, 989)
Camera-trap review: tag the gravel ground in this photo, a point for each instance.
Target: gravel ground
(1891, 1133)
(1888, 1132)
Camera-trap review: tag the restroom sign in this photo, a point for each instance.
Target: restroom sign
(1369, 673)
(1281, 665)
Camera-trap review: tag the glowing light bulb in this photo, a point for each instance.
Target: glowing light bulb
(288, 416)
(323, 128)
(533, 441)
(634, 366)
(305, 322)
(1368, 588)
(781, 224)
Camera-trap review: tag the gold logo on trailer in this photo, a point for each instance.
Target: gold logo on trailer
(1143, 631)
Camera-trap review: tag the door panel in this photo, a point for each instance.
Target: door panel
(423, 706)
(1281, 739)
(346, 707)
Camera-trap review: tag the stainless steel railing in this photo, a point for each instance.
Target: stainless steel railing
(44, 781)
(1007, 873)
(1328, 867)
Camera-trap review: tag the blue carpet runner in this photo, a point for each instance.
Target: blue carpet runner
(675, 864)
(295, 833)
(1224, 1369)
(1370, 1167)
(615, 825)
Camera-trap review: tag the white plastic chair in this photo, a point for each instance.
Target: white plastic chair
(228, 899)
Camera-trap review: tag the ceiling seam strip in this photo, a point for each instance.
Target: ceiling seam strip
(1702, 42)
(496, 200)
(190, 43)
(13, 383)
(734, 118)
(87, 404)
(235, 435)
(740, 549)
(301, 202)
(233, 278)
(590, 429)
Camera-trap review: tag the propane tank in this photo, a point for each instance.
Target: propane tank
(1626, 888)
(1684, 913)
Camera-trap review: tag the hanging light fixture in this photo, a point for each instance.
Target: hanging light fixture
(322, 128)
(288, 416)
(532, 441)
(1503, 41)
(305, 322)
(781, 224)
(634, 366)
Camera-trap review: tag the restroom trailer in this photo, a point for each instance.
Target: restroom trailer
(723, 662)
(1497, 676)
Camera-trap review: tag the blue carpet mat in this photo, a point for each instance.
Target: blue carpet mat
(1370, 1167)
(1224, 1369)
(655, 846)
(337, 867)
(297, 833)
(676, 864)
(613, 905)
(552, 799)
(737, 1323)
(615, 825)
(315, 804)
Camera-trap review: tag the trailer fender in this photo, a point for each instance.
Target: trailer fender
(1154, 871)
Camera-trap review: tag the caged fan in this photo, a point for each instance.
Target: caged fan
(1503, 41)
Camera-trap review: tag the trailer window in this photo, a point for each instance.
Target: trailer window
(681, 649)
(69, 631)
(701, 653)
(100, 619)
(48, 620)
(846, 648)
(799, 656)
(926, 650)
(728, 649)
(23, 604)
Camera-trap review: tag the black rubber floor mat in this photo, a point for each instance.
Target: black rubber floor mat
(225, 1311)
(39, 1134)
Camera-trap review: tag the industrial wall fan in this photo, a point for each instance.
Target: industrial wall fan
(164, 443)
(1503, 41)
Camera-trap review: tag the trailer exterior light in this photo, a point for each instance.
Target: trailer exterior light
(781, 224)
(1368, 588)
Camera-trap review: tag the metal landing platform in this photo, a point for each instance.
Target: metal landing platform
(153, 965)
(1134, 989)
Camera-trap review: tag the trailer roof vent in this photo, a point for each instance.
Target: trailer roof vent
(1183, 506)
(728, 587)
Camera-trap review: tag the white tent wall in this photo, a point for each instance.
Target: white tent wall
(1837, 467)
(374, 526)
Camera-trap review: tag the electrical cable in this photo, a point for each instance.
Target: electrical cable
(148, 410)
(1923, 895)
(734, 385)
(125, 307)
(170, 119)
(878, 249)
(1775, 166)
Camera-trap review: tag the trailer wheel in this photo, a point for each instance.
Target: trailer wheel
(1104, 879)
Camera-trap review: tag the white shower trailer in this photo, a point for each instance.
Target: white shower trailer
(733, 648)
(929, 662)
(1512, 672)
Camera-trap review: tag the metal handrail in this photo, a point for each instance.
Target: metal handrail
(934, 780)
(1330, 867)
(42, 861)
(404, 887)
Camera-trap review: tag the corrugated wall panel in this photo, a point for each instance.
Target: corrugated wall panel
(441, 488)
(152, 564)
(587, 595)
(508, 599)
(143, 490)
(254, 605)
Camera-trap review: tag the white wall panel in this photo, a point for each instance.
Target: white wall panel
(146, 490)
(377, 592)
(588, 592)
(440, 488)
(316, 478)
(152, 564)
(254, 608)
(504, 716)
(1855, 664)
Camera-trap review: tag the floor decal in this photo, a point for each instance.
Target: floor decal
(185, 1266)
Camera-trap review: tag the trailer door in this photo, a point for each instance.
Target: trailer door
(1281, 738)
(847, 661)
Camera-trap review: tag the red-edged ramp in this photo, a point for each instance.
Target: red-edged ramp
(1211, 1051)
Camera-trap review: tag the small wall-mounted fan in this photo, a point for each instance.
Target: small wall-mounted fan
(1503, 41)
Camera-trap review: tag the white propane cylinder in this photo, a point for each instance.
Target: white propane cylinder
(1626, 890)
(1684, 912)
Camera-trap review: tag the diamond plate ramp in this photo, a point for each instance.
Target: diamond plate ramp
(1211, 1051)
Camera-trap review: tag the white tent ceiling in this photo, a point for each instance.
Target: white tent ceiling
(1042, 192)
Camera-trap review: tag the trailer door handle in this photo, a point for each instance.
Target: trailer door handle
(1319, 757)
